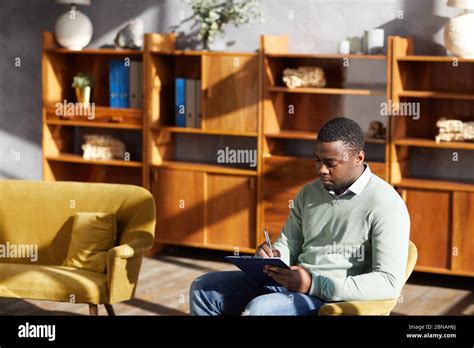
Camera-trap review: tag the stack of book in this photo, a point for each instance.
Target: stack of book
(125, 84)
(188, 103)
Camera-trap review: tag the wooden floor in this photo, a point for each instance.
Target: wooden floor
(165, 279)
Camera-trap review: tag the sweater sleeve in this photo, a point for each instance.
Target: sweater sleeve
(290, 241)
(389, 240)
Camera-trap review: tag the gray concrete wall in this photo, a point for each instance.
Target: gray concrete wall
(312, 26)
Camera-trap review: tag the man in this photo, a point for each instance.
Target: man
(346, 239)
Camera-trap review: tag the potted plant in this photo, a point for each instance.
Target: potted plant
(83, 84)
(213, 15)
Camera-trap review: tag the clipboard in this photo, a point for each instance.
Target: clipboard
(253, 267)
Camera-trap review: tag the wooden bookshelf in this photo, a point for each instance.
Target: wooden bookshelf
(203, 203)
(60, 132)
(441, 211)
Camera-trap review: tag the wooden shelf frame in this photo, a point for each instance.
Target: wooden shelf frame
(74, 158)
(58, 67)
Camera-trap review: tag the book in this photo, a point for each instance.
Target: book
(124, 86)
(180, 102)
(113, 85)
(198, 96)
(136, 89)
(190, 103)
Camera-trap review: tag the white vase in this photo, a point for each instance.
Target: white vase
(73, 30)
(218, 44)
(458, 35)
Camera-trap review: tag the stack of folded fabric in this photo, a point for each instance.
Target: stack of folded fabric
(102, 147)
(306, 76)
(454, 130)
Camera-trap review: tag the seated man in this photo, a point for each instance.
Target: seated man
(346, 239)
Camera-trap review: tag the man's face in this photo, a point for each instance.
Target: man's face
(336, 164)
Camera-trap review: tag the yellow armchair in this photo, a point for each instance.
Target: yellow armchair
(40, 214)
(380, 307)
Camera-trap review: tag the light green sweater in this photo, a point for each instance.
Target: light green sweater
(355, 246)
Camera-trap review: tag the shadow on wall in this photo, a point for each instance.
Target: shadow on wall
(423, 25)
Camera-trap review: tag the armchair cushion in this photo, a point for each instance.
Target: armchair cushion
(54, 283)
(93, 235)
(378, 307)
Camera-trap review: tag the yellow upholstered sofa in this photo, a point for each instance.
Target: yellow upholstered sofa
(41, 214)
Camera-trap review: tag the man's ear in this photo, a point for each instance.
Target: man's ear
(359, 158)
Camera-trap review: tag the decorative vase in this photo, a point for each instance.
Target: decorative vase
(458, 37)
(73, 30)
(83, 95)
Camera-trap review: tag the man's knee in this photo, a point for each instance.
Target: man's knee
(261, 305)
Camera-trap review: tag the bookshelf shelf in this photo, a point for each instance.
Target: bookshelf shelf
(336, 91)
(92, 124)
(204, 167)
(436, 95)
(306, 135)
(74, 158)
(419, 142)
(104, 117)
(202, 131)
(327, 56)
(428, 184)
(436, 59)
(97, 51)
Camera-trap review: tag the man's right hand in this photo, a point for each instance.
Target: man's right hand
(264, 251)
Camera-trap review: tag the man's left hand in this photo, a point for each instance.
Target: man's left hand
(296, 279)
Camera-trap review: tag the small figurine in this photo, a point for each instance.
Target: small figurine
(376, 130)
(131, 35)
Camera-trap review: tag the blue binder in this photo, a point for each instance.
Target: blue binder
(124, 84)
(180, 102)
(114, 101)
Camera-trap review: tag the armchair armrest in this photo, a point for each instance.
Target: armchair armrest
(379, 307)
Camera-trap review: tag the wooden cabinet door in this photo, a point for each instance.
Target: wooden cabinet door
(231, 210)
(463, 232)
(179, 198)
(284, 177)
(230, 92)
(430, 225)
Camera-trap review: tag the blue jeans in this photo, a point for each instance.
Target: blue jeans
(234, 293)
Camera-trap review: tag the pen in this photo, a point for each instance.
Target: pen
(267, 239)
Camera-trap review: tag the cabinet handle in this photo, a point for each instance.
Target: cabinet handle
(155, 175)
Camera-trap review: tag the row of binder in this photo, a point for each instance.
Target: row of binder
(125, 84)
(188, 103)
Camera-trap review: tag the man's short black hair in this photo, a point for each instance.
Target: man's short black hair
(344, 129)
